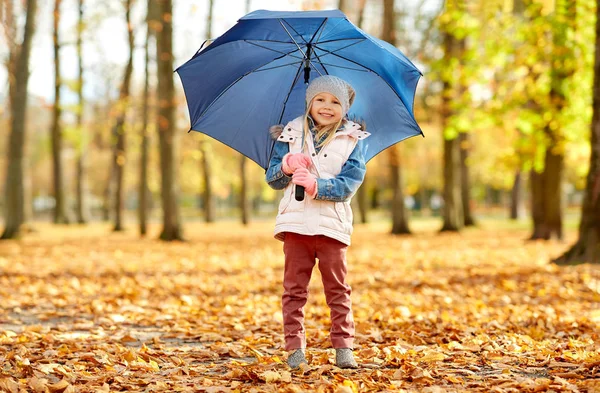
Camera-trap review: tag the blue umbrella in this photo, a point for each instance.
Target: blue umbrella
(255, 75)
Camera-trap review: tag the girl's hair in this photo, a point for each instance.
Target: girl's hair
(328, 130)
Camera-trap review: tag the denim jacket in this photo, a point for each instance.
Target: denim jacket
(339, 189)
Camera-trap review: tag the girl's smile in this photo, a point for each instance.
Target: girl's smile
(326, 109)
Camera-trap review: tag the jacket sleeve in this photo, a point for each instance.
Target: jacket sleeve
(346, 183)
(275, 177)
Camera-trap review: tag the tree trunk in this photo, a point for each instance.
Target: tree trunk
(244, 207)
(453, 214)
(361, 13)
(561, 72)
(81, 209)
(362, 193)
(536, 181)
(587, 247)
(553, 170)
(516, 198)
(207, 195)
(107, 204)
(120, 157)
(14, 209)
(60, 212)
(363, 201)
(399, 214)
(166, 123)
(465, 182)
(143, 193)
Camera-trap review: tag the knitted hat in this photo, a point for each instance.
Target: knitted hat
(332, 85)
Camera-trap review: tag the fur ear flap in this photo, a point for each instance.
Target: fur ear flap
(276, 130)
(360, 121)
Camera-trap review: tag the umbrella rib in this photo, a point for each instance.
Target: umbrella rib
(342, 57)
(287, 97)
(319, 29)
(340, 39)
(383, 79)
(295, 31)
(274, 50)
(339, 66)
(300, 49)
(279, 66)
(339, 49)
(292, 38)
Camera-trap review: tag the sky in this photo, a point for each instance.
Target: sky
(105, 47)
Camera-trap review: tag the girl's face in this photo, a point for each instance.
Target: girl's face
(326, 109)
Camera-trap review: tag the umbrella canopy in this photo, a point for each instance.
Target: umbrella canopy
(255, 75)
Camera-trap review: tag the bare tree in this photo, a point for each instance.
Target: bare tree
(18, 81)
(60, 211)
(587, 247)
(166, 122)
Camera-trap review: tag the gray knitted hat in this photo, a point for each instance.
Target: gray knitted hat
(332, 85)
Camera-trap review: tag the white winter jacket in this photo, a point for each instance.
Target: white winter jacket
(339, 168)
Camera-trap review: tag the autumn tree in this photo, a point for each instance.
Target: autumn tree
(18, 71)
(166, 122)
(587, 247)
(453, 45)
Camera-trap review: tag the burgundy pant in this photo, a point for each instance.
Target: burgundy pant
(300, 253)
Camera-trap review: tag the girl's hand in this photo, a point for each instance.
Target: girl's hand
(304, 178)
(292, 162)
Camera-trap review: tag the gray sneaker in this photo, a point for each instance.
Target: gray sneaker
(344, 358)
(296, 358)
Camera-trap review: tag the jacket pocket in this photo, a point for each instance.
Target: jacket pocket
(285, 201)
(289, 203)
(340, 211)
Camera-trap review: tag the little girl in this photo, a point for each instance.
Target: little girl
(320, 152)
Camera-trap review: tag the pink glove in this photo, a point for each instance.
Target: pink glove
(304, 178)
(291, 162)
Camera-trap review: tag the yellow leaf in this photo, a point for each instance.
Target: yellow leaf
(433, 357)
(270, 376)
(351, 385)
(154, 365)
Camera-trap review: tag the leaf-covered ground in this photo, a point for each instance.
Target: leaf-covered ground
(480, 311)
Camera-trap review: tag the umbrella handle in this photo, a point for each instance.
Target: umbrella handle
(299, 194)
